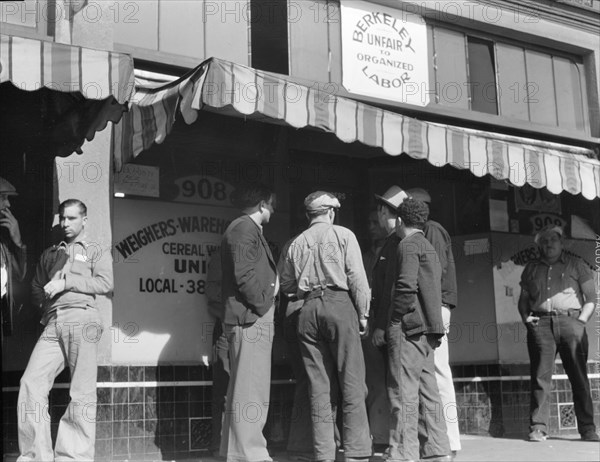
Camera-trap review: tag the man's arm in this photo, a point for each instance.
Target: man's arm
(588, 290)
(285, 267)
(38, 282)
(406, 285)
(246, 250)
(101, 281)
(357, 277)
(440, 242)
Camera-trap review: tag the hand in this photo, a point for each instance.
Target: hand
(54, 288)
(9, 222)
(434, 341)
(378, 338)
(363, 326)
(531, 319)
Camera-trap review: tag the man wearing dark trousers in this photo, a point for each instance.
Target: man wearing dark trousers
(557, 300)
(439, 238)
(381, 285)
(299, 445)
(249, 286)
(324, 267)
(414, 332)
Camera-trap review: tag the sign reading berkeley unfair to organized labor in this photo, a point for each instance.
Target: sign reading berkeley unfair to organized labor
(161, 255)
(384, 52)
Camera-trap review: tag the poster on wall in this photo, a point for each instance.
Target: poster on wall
(384, 53)
(161, 256)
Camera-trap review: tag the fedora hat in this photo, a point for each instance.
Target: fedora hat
(393, 197)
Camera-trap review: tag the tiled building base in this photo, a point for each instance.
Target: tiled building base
(164, 413)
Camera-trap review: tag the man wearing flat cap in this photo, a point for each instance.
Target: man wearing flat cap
(323, 267)
(557, 300)
(13, 255)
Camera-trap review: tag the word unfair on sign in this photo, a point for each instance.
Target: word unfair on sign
(384, 52)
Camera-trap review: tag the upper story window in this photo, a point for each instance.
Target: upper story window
(28, 18)
(511, 80)
(269, 35)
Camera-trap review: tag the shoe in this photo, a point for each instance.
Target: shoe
(590, 435)
(299, 456)
(537, 436)
(446, 458)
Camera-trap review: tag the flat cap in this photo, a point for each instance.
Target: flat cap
(548, 229)
(321, 200)
(419, 194)
(7, 188)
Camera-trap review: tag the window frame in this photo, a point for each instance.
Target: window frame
(575, 59)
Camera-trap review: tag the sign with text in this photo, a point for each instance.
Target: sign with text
(161, 255)
(384, 53)
(138, 180)
(199, 189)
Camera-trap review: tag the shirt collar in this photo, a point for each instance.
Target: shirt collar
(562, 259)
(64, 246)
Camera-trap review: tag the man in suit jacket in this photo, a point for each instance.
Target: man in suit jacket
(249, 286)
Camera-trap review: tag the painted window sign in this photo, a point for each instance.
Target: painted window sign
(384, 53)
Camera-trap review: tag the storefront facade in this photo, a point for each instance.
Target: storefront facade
(496, 115)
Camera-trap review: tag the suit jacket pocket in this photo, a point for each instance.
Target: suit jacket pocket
(412, 321)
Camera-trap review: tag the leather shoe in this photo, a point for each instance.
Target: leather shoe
(537, 436)
(590, 435)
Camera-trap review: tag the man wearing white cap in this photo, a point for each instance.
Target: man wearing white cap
(323, 266)
(13, 255)
(557, 300)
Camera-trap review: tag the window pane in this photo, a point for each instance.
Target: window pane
(568, 94)
(482, 76)
(540, 88)
(512, 81)
(269, 35)
(451, 68)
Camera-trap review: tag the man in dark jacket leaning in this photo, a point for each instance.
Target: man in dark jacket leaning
(249, 286)
(415, 330)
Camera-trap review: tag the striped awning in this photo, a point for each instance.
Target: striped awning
(250, 92)
(33, 64)
(57, 96)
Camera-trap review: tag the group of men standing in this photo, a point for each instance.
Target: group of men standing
(332, 318)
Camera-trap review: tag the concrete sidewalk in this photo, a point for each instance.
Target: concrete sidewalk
(488, 449)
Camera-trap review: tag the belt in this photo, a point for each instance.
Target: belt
(571, 312)
(320, 292)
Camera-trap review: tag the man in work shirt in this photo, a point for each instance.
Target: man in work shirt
(65, 285)
(323, 267)
(557, 300)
